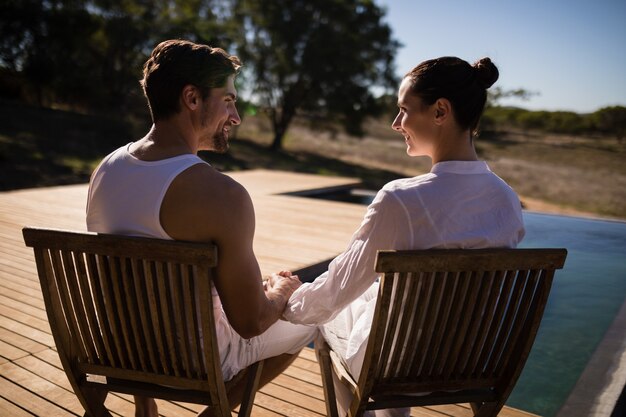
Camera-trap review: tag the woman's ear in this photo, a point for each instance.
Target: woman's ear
(190, 97)
(443, 110)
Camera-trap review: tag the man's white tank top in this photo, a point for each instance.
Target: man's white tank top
(125, 193)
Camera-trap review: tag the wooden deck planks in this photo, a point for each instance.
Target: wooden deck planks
(34, 403)
(292, 232)
(10, 409)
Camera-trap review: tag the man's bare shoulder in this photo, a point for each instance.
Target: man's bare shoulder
(200, 201)
(204, 181)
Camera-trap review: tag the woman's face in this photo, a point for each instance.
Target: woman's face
(414, 121)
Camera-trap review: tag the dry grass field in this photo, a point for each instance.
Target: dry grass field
(554, 173)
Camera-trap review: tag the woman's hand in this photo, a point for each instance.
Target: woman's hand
(281, 285)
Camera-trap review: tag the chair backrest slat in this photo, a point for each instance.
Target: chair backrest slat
(464, 327)
(526, 315)
(502, 303)
(453, 302)
(102, 332)
(444, 324)
(120, 304)
(136, 336)
(140, 280)
(96, 346)
(518, 318)
(191, 318)
(393, 319)
(493, 282)
(154, 311)
(74, 305)
(429, 318)
(66, 295)
(507, 326)
(472, 338)
(423, 319)
(167, 319)
(408, 331)
(180, 324)
(50, 291)
(105, 270)
(441, 310)
(457, 339)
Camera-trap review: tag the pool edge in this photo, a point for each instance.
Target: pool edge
(603, 380)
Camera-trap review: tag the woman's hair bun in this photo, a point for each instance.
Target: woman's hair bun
(486, 72)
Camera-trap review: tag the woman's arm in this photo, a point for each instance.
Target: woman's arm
(350, 274)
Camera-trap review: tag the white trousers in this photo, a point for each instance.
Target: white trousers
(339, 333)
(281, 337)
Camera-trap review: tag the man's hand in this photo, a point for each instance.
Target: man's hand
(280, 286)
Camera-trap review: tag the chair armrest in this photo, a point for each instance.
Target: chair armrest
(341, 371)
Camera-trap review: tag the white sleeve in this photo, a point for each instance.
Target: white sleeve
(350, 274)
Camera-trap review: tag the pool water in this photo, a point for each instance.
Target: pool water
(585, 297)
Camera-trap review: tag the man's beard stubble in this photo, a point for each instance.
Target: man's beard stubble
(220, 142)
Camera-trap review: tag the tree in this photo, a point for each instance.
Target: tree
(40, 40)
(317, 57)
(89, 53)
(611, 120)
(497, 94)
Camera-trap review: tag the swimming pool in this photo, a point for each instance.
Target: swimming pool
(585, 297)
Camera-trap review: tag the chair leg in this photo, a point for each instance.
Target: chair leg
(486, 409)
(252, 384)
(93, 401)
(323, 358)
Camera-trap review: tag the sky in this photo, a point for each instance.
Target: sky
(570, 53)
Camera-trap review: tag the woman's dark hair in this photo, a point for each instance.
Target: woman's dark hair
(176, 63)
(464, 85)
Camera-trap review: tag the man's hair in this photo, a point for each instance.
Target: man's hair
(174, 64)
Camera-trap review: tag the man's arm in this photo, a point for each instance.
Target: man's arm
(204, 205)
(249, 309)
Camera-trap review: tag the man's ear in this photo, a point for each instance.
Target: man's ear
(443, 110)
(190, 97)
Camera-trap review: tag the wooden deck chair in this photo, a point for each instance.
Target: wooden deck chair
(135, 316)
(454, 326)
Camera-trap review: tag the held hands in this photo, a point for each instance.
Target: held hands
(278, 288)
(282, 285)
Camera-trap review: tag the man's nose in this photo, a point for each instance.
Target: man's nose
(234, 117)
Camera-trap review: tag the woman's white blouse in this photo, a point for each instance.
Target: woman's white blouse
(459, 204)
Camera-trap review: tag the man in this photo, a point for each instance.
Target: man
(158, 187)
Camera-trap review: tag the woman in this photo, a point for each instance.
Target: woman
(460, 203)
